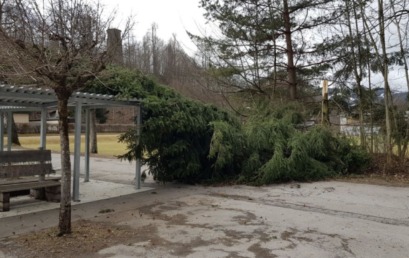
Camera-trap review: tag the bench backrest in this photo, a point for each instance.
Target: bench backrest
(14, 164)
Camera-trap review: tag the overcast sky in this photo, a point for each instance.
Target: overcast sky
(177, 16)
(172, 16)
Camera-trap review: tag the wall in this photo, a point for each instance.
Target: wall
(20, 118)
(34, 128)
(115, 116)
(122, 115)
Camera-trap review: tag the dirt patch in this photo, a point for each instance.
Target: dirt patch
(378, 173)
(393, 181)
(149, 236)
(396, 170)
(155, 211)
(286, 235)
(231, 196)
(86, 238)
(260, 251)
(235, 255)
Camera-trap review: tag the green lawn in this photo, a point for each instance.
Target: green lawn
(107, 143)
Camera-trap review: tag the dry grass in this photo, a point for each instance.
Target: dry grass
(86, 238)
(107, 143)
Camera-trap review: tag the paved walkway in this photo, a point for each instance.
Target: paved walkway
(323, 219)
(109, 178)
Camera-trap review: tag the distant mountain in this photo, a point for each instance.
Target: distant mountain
(350, 97)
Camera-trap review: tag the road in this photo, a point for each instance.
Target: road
(323, 219)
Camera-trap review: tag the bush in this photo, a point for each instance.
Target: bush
(176, 133)
(186, 140)
(268, 148)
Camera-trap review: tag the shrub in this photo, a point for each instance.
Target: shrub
(186, 140)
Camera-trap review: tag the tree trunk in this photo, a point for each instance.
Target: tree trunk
(383, 60)
(291, 69)
(402, 155)
(357, 66)
(385, 72)
(94, 143)
(371, 110)
(14, 133)
(65, 204)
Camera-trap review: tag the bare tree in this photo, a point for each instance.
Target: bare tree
(56, 50)
(401, 28)
(170, 64)
(382, 57)
(5, 12)
(355, 46)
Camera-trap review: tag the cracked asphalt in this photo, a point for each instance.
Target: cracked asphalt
(323, 219)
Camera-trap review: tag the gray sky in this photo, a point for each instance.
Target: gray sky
(177, 16)
(172, 16)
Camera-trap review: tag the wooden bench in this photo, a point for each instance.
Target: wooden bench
(27, 163)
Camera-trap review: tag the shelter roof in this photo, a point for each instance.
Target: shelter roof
(14, 98)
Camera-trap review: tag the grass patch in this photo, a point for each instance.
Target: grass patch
(106, 211)
(107, 143)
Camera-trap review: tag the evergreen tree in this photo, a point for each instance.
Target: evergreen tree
(269, 43)
(192, 142)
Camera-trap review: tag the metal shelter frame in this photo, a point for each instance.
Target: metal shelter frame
(16, 99)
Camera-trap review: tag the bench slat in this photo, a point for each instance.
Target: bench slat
(25, 156)
(26, 186)
(28, 180)
(25, 170)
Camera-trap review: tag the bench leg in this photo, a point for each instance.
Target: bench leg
(38, 194)
(5, 201)
(53, 194)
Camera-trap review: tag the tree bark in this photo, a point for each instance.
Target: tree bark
(291, 69)
(14, 134)
(65, 204)
(357, 66)
(371, 109)
(94, 143)
(402, 155)
(383, 60)
(385, 72)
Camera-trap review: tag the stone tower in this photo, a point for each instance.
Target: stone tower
(114, 46)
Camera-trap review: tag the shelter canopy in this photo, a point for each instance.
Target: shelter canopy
(17, 99)
(13, 98)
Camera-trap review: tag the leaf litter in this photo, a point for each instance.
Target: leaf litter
(87, 237)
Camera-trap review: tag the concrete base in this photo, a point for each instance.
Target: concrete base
(4, 201)
(50, 194)
(38, 194)
(90, 192)
(53, 194)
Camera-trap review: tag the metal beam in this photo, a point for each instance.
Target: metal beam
(43, 132)
(77, 152)
(87, 101)
(87, 138)
(138, 161)
(19, 104)
(108, 105)
(28, 95)
(9, 127)
(1, 131)
(50, 104)
(23, 109)
(43, 128)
